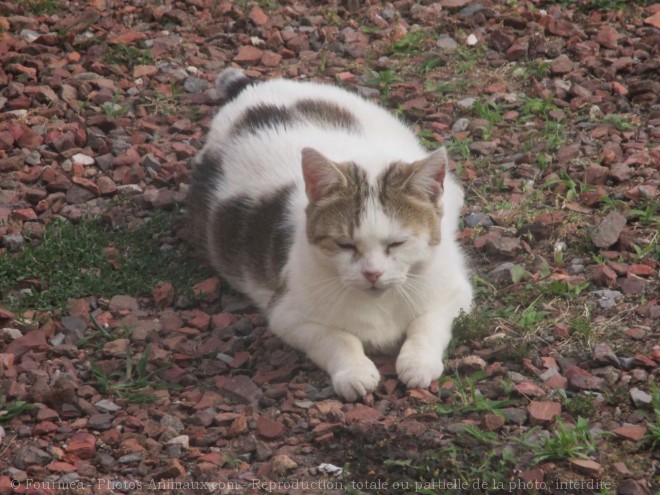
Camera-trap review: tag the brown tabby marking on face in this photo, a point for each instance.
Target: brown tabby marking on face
(206, 174)
(410, 205)
(327, 113)
(338, 214)
(253, 235)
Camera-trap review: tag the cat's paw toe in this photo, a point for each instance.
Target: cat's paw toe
(357, 381)
(417, 370)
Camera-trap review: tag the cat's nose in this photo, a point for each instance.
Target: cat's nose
(372, 277)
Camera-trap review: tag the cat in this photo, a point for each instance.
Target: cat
(326, 211)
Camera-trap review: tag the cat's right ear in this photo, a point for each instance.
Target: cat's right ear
(322, 176)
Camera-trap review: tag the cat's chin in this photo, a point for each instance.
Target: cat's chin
(376, 291)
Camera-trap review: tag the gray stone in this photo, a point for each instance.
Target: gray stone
(483, 148)
(34, 158)
(100, 422)
(128, 458)
(501, 274)
(640, 398)
(607, 298)
(174, 450)
(475, 219)
(504, 246)
(150, 161)
(466, 103)
(74, 324)
(516, 377)
(242, 388)
(29, 35)
(77, 195)
(30, 455)
(105, 460)
(169, 421)
(13, 241)
(195, 85)
(609, 230)
(446, 42)
(549, 373)
(603, 354)
(12, 333)
(105, 405)
(225, 358)
(514, 415)
(118, 146)
(461, 125)
(367, 92)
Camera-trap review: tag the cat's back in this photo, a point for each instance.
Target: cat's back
(259, 133)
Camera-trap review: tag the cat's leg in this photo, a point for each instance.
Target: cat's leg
(420, 359)
(339, 353)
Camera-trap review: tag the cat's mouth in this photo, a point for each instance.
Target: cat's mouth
(377, 291)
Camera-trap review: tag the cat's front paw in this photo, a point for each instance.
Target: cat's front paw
(355, 382)
(417, 369)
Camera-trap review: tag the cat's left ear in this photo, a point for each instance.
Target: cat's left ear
(322, 176)
(429, 173)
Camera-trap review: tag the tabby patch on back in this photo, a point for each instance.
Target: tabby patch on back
(325, 210)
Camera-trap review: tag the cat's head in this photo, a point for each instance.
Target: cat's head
(374, 234)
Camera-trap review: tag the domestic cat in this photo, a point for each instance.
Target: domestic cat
(327, 212)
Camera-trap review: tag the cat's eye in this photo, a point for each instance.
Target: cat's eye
(346, 246)
(395, 244)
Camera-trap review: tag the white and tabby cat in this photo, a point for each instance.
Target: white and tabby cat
(326, 211)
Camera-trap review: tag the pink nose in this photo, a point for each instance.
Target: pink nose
(371, 276)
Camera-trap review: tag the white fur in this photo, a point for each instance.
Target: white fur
(328, 310)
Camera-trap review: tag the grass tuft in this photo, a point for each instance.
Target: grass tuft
(71, 261)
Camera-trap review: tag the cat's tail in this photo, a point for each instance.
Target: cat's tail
(230, 82)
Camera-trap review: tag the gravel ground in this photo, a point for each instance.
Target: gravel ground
(126, 366)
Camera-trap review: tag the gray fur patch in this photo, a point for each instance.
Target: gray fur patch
(206, 174)
(263, 116)
(325, 113)
(319, 113)
(252, 239)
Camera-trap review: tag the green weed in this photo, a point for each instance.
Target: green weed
(536, 107)
(490, 111)
(647, 214)
(565, 442)
(455, 86)
(113, 108)
(41, 7)
(101, 336)
(460, 147)
(14, 408)
(127, 56)
(581, 405)
(652, 249)
(565, 290)
(410, 44)
(467, 59)
(134, 382)
(620, 122)
(653, 436)
(553, 137)
(383, 80)
(161, 103)
(581, 327)
(467, 399)
(428, 139)
(470, 326)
